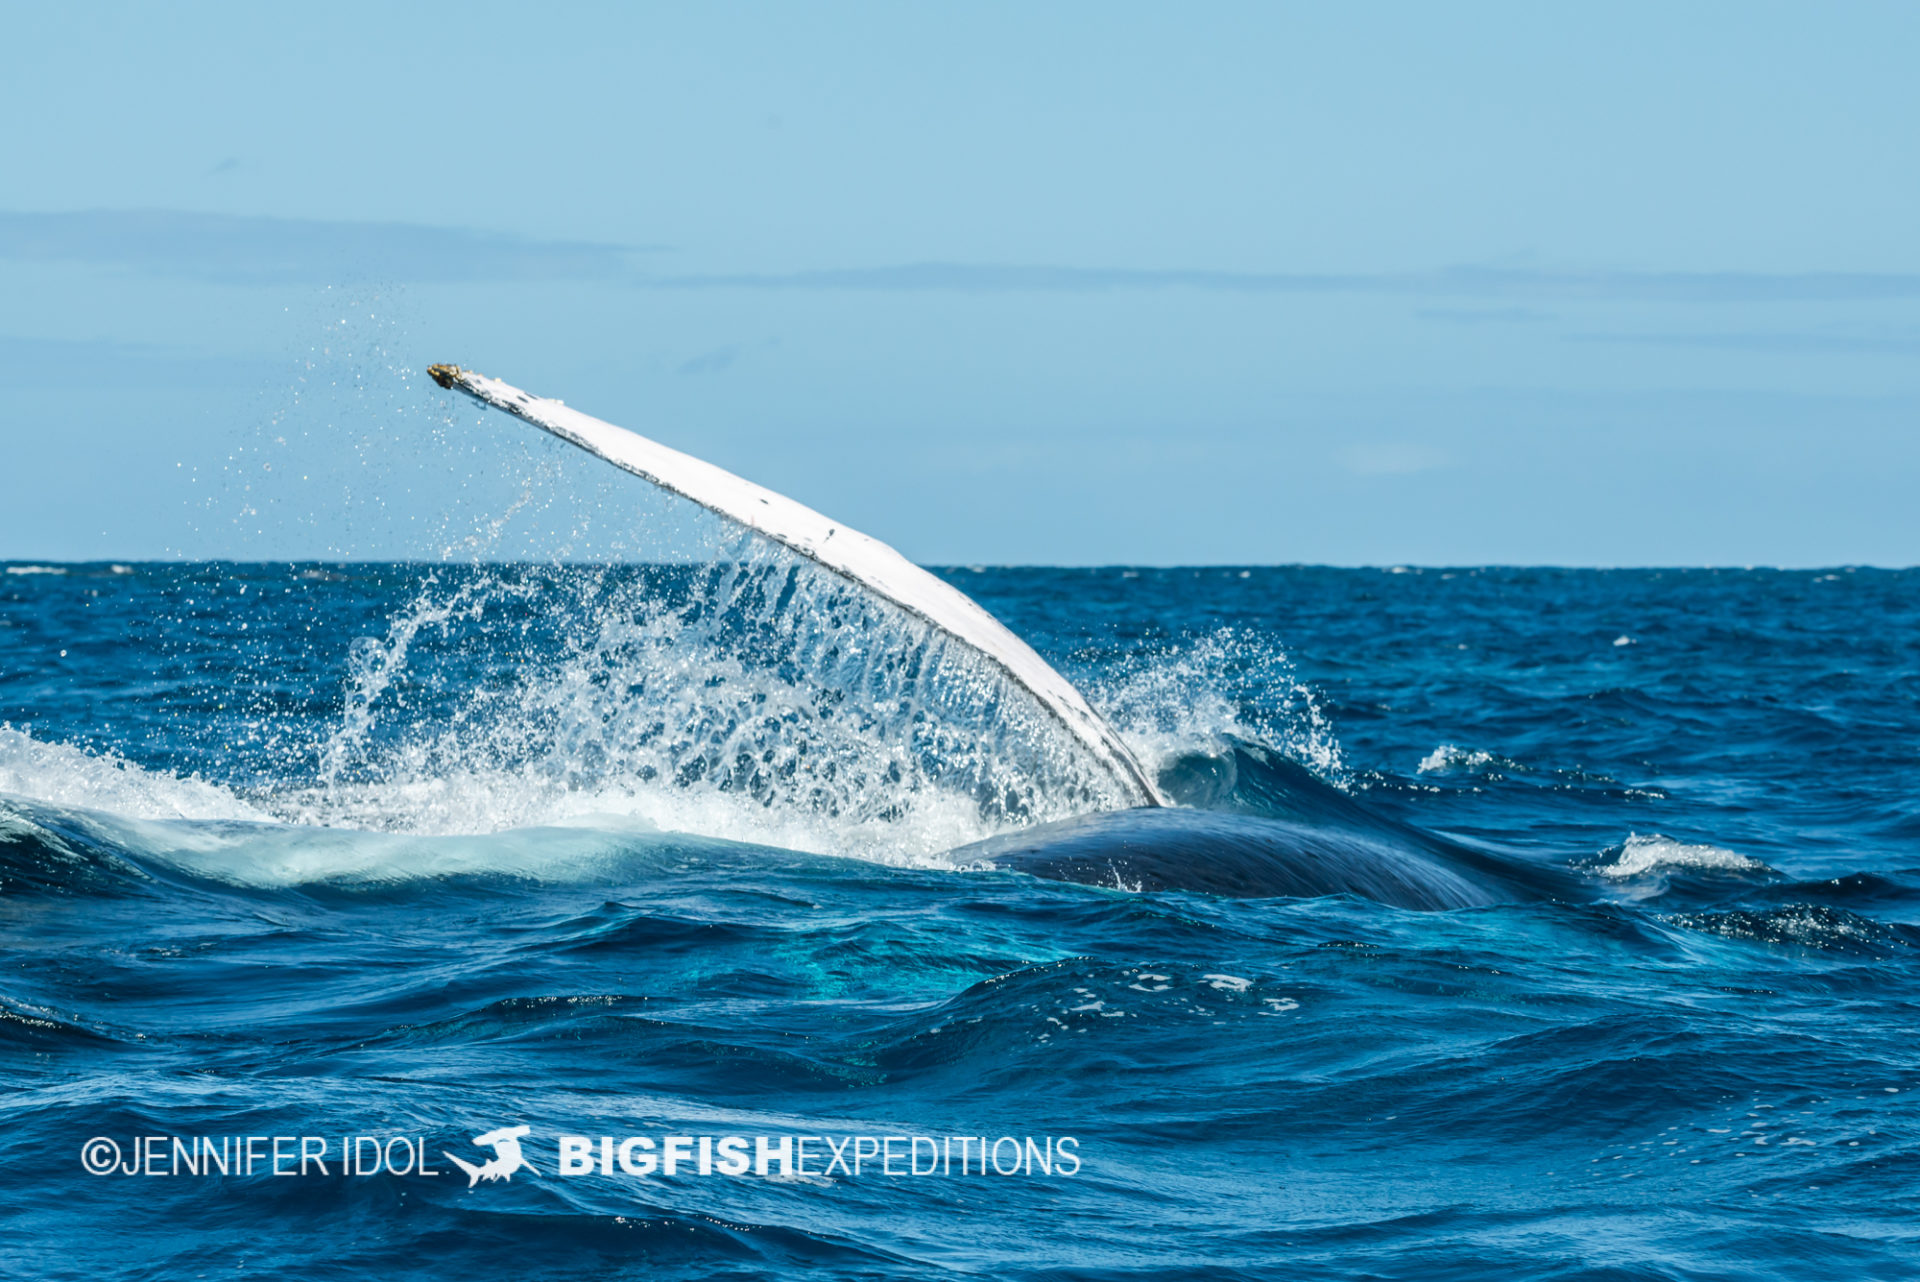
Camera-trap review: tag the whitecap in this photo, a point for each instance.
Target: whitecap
(1640, 855)
(1449, 757)
(68, 776)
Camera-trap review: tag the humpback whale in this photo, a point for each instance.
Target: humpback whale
(1332, 847)
(854, 556)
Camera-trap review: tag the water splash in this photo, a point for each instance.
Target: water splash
(1451, 757)
(360, 455)
(66, 775)
(756, 698)
(1640, 856)
(1192, 696)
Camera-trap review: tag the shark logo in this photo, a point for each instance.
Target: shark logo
(507, 1158)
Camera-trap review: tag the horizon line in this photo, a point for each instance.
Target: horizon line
(25, 566)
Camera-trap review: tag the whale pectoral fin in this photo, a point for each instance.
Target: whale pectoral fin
(473, 1172)
(863, 561)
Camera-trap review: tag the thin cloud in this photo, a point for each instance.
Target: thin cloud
(1843, 344)
(235, 249)
(231, 249)
(1484, 315)
(1455, 282)
(1014, 278)
(1680, 287)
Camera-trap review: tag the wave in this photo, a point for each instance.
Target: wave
(64, 775)
(1816, 926)
(54, 850)
(30, 1027)
(40, 854)
(1267, 827)
(1448, 757)
(1640, 856)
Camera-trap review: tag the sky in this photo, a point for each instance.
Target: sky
(1632, 284)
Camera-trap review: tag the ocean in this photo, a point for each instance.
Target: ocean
(1522, 923)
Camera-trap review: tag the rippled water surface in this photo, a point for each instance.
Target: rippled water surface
(408, 851)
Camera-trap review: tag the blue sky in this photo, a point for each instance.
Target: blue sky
(1637, 284)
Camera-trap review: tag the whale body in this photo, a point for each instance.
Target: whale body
(1248, 823)
(1238, 856)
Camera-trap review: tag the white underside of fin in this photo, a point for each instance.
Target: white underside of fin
(852, 555)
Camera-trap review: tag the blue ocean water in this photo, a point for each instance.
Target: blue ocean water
(416, 852)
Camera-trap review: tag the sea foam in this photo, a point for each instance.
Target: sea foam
(1639, 856)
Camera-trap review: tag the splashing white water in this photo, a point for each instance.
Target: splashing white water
(769, 702)
(1449, 757)
(1640, 855)
(1180, 699)
(761, 707)
(69, 776)
(786, 709)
